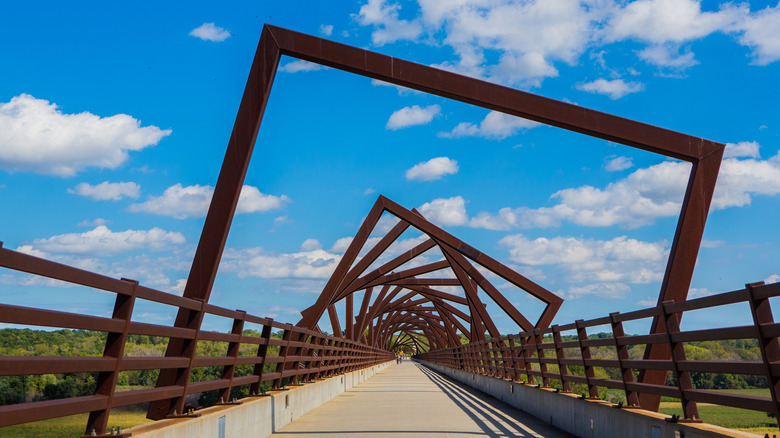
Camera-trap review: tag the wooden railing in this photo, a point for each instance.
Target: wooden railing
(526, 356)
(303, 355)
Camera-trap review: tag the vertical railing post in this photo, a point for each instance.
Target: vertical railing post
(538, 340)
(770, 347)
(590, 374)
(262, 352)
(115, 349)
(525, 355)
(233, 349)
(513, 357)
(627, 374)
(563, 370)
(672, 323)
(283, 351)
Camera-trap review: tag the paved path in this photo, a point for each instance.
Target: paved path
(409, 400)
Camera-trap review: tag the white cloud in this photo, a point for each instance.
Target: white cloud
(412, 116)
(103, 242)
(647, 302)
(210, 32)
(193, 201)
(257, 262)
(300, 65)
(774, 278)
(608, 261)
(601, 290)
(747, 149)
(495, 126)
(759, 31)
(513, 30)
(700, 292)
(667, 55)
(641, 197)
(432, 169)
(616, 164)
(369, 191)
(615, 88)
(519, 42)
(341, 245)
(107, 191)
(35, 136)
(311, 245)
(388, 27)
(662, 21)
(740, 180)
(326, 29)
(93, 223)
(705, 243)
(445, 212)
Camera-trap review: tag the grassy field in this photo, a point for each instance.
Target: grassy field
(733, 418)
(69, 427)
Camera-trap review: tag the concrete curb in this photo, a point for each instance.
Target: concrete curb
(584, 418)
(257, 416)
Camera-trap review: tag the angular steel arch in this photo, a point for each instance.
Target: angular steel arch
(704, 155)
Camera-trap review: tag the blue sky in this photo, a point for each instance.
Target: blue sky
(114, 120)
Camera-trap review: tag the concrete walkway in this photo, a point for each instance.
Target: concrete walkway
(411, 400)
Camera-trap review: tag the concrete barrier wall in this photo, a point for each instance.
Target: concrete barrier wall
(584, 418)
(257, 416)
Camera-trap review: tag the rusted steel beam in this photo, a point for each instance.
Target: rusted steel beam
(106, 381)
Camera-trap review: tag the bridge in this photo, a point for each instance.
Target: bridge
(543, 369)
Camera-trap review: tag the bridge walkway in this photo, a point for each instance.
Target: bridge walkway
(410, 400)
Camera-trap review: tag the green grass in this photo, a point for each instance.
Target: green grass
(733, 418)
(70, 427)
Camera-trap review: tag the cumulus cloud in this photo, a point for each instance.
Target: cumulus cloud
(445, 212)
(260, 263)
(93, 223)
(300, 65)
(512, 29)
(747, 149)
(388, 26)
(193, 201)
(759, 32)
(36, 136)
(311, 245)
(432, 169)
(107, 191)
(620, 260)
(412, 116)
(662, 21)
(326, 29)
(210, 32)
(644, 195)
(616, 164)
(499, 40)
(668, 55)
(101, 241)
(600, 290)
(495, 125)
(774, 278)
(615, 88)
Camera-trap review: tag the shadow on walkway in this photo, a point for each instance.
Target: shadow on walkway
(494, 417)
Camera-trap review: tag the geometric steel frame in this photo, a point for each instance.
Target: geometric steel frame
(704, 155)
(345, 281)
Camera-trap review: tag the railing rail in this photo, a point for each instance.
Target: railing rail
(525, 356)
(304, 354)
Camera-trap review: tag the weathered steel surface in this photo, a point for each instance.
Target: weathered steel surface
(481, 355)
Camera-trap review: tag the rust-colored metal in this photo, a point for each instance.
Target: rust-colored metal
(425, 310)
(763, 328)
(306, 360)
